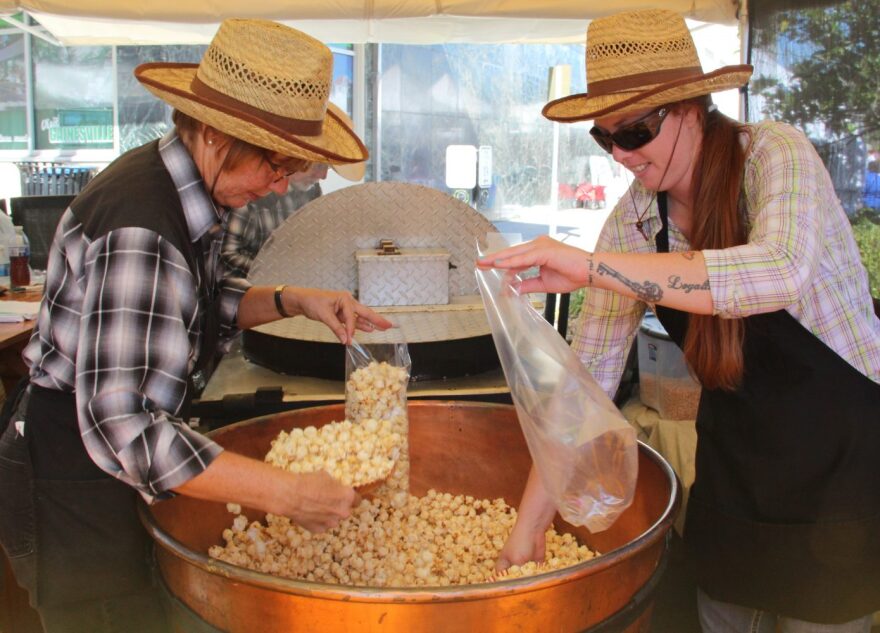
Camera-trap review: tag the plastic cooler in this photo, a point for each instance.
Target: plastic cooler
(666, 384)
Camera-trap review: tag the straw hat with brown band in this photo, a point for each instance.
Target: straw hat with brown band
(639, 60)
(264, 83)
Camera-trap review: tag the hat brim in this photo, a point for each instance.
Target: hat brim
(585, 107)
(351, 171)
(337, 143)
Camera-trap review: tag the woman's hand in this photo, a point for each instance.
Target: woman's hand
(527, 540)
(338, 310)
(315, 501)
(318, 502)
(523, 544)
(561, 268)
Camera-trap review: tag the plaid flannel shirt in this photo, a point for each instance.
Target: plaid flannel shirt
(801, 257)
(249, 227)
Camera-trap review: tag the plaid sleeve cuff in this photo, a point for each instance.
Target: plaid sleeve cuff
(199, 452)
(721, 289)
(231, 295)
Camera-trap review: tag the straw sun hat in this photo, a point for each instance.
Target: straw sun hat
(264, 83)
(638, 60)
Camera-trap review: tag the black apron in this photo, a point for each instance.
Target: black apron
(70, 530)
(784, 513)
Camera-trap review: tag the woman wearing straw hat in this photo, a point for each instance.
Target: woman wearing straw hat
(135, 306)
(733, 234)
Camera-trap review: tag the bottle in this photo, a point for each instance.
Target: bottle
(19, 254)
(4, 267)
(7, 234)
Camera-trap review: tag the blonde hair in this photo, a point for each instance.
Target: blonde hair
(239, 151)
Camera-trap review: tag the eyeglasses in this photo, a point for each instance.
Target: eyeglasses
(632, 136)
(281, 171)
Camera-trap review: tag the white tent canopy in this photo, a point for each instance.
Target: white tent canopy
(93, 22)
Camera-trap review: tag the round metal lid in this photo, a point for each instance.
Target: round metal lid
(316, 247)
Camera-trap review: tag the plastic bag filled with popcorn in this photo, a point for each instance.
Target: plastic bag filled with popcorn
(376, 377)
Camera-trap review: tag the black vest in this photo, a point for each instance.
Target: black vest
(118, 197)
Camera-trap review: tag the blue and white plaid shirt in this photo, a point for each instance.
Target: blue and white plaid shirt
(119, 325)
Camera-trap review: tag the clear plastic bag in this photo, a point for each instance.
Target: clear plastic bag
(584, 450)
(376, 378)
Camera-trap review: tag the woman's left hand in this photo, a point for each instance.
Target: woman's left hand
(561, 268)
(337, 309)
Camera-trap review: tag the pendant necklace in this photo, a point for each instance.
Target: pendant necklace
(640, 225)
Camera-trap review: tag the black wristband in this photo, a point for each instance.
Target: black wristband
(278, 305)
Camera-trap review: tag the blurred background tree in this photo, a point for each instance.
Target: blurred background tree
(817, 66)
(832, 84)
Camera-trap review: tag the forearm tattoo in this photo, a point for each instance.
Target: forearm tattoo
(646, 291)
(689, 255)
(675, 283)
(590, 269)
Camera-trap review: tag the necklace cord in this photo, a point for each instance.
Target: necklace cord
(640, 225)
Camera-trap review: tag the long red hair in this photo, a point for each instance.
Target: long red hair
(713, 346)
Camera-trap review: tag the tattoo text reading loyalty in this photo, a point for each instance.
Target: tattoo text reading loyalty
(675, 283)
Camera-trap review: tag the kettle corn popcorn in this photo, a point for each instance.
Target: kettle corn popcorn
(376, 391)
(393, 539)
(355, 454)
(405, 541)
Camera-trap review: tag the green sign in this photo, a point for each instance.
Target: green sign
(81, 134)
(75, 127)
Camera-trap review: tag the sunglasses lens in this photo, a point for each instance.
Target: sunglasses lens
(603, 138)
(633, 137)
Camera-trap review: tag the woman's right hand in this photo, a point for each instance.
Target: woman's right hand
(561, 267)
(320, 502)
(315, 501)
(527, 540)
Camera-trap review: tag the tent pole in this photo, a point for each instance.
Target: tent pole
(745, 55)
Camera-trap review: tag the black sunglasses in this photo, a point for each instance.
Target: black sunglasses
(634, 135)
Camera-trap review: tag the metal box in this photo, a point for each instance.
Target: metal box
(411, 276)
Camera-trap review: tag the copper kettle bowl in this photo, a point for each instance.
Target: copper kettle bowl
(456, 447)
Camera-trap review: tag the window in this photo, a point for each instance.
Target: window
(86, 97)
(13, 89)
(343, 76)
(143, 117)
(486, 96)
(73, 96)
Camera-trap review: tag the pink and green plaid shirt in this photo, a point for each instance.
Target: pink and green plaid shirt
(801, 256)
